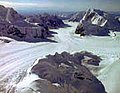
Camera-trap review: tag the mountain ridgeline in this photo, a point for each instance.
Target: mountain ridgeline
(97, 22)
(20, 28)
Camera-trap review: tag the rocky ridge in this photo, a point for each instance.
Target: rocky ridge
(64, 73)
(46, 20)
(18, 27)
(97, 22)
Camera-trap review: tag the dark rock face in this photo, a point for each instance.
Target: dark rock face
(13, 25)
(5, 40)
(46, 20)
(67, 70)
(97, 22)
(28, 34)
(91, 29)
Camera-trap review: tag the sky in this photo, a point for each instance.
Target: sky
(62, 5)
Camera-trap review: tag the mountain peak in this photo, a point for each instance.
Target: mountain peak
(1, 6)
(97, 22)
(95, 16)
(98, 11)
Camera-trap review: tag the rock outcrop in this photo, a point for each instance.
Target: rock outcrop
(97, 22)
(64, 73)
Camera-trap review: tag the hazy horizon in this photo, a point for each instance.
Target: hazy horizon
(61, 5)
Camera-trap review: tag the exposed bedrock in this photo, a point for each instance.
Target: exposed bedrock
(65, 73)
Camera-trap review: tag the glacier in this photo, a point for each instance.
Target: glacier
(17, 57)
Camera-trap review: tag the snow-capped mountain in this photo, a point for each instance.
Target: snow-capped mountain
(97, 22)
(96, 17)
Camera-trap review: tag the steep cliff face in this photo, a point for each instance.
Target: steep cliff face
(13, 25)
(97, 22)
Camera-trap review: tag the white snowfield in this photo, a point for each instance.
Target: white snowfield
(16, 57)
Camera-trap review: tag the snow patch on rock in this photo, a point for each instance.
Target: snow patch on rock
(93, 16)
(56, 84)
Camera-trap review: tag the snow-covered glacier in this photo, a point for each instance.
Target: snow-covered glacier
(16, 57)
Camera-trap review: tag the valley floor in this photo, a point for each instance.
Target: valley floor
(17, 57)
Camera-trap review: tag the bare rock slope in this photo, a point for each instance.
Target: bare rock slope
(64, 73)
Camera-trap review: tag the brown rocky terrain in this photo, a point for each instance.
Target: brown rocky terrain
(64, 73)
